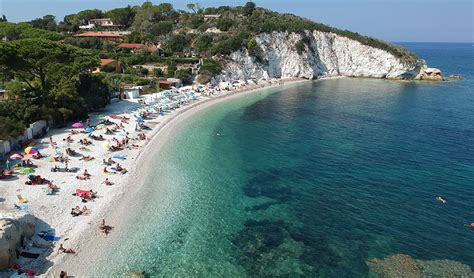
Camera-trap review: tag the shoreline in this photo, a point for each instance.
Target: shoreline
(86, 240)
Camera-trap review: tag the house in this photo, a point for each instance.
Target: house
(170, 82)
(134, 47)
(211, 16)
(104, 36)
(99, 22)
(108, 65)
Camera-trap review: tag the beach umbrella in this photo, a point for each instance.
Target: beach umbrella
(16, 156)
(101, 116)
(139, 120)
(101, 126)
(89, 130)
(78, 124)
(26, 171)
(31, 150)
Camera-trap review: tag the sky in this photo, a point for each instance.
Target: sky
(391, 20)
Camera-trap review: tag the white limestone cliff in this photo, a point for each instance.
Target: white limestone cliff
(326, 54)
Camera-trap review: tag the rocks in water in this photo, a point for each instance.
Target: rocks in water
(430, 74)
(455, 77)
(13, 230)
(395, 266)
(445, 268)
(135, 273)
(266, 248)
(405, 266)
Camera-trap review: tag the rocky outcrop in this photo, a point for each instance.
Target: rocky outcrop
(13, 230)
(405, 266)
(429, 74)
(323, 54)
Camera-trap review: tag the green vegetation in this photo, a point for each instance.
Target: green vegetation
(46, 70)
(13, 31)
(47, 79)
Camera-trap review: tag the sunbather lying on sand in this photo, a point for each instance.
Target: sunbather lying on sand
(76, 211)
(53, 187)
(65, 250)
(107, 182)
(86, 158)
(86, 211)
(121, 169)
(82, 177)
(70, 151)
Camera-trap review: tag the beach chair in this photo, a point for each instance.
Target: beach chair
(21, 199)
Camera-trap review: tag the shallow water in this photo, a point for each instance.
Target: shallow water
(312, 180)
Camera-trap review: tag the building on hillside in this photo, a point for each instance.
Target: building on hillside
(104, 36)
(211, 16)
(108, 65)
(169, 83)
(100, 22)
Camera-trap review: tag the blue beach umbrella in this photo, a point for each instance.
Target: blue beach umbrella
(89, 130)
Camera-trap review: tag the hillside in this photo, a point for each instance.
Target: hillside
(68, 68)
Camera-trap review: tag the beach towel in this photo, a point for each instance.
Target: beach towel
(120, 156)
(21, 206)
(80, 192)
(29, 255)
(21, 199)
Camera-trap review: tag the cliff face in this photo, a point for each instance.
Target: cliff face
(326, 54)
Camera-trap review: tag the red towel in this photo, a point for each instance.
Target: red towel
(80, 192)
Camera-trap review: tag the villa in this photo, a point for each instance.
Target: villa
(99, 22)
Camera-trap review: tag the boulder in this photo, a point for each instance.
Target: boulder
(430, 74)
(13, 230)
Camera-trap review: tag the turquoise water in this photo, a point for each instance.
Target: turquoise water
(312, 180)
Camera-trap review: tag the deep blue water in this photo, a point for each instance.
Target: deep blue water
(315, 179)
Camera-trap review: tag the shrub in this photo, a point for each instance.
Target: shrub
(211, 66)
(224, 24)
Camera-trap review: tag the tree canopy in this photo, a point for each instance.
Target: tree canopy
(48, 78)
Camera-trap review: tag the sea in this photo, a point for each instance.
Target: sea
(311, 180)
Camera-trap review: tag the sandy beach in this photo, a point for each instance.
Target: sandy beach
(53, 211)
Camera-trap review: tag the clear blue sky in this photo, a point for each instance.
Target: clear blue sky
(391, 20)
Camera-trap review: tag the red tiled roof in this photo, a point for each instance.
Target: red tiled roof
(131, 45)
(98, 34)
(166, 82)
(105, 62)
(152, 49)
